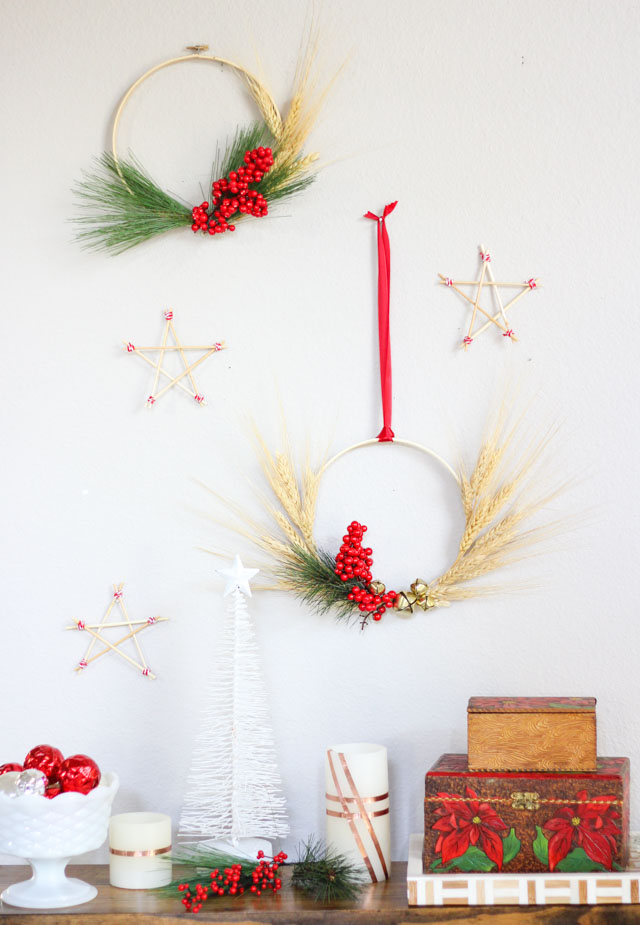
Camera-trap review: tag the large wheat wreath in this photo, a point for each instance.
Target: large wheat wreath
(499, 498)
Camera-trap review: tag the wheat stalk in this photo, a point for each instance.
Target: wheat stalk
(264, 102)
(484, 513)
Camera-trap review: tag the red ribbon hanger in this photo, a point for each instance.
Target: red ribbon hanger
(386, 435)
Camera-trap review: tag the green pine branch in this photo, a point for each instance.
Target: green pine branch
(326, 876)
(312, 578)
(121, 206)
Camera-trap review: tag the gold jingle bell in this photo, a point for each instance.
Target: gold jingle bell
(417, 597)
(404, 602)
(377, 587)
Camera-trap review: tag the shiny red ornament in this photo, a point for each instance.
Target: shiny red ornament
(79, 774)
(45, 758)
(10, 766)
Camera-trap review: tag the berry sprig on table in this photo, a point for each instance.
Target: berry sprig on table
(234, 881)
(230, 195)
(354, 562)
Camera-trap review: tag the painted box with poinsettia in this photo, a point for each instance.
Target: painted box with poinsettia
(526, 820)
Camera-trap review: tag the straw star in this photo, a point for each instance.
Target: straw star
(187, 372)
(497, 319)
(96, 630)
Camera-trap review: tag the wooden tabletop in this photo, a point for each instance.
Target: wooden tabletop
(381, 904)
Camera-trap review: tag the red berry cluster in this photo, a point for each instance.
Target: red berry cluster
(232, 194)
(353, 561)
(370, 603)
(234, 881)
(264, 876)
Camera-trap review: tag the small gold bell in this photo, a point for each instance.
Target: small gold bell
(420, 588)
(403, 603)
(376, 587)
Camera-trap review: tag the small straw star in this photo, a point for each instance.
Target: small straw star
(96, 631)
(187, 372)
(487, 281)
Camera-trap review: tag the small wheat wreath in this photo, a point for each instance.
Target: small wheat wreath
(122, 206)
(499, 499)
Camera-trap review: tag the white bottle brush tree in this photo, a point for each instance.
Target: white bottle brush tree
(234, 795)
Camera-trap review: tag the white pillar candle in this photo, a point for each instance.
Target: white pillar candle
(138, 847)
(357, 806)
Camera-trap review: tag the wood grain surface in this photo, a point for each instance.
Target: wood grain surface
(532, 741)
(381, 904)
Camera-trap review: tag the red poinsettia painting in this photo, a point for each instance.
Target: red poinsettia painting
(588, 824)
(462, 823)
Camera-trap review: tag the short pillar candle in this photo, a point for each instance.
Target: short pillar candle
(357, 806)
(139, 844)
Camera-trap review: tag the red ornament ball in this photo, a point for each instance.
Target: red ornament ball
(45, 758)
(10, 766)
(79, 774)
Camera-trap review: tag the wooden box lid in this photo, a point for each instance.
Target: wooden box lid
(532, 733)
(557, 705)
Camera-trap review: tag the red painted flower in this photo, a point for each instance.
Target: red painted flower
(467, 822)
(588, 824)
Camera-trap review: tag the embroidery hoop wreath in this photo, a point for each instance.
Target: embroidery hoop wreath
(122, 206)
(500, 497)
(497, 498)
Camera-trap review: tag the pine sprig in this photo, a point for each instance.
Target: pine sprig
(283, 180)
(310, 574)
(213, 873)
(324, 875)
(198, 861)
(245, 139)
(121, 206)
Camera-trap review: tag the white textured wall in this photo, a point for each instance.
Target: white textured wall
(508, 123)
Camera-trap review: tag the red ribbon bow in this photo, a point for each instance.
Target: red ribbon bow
(386, 435)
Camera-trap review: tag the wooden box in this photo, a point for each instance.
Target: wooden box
(492, 821)
(532, 733)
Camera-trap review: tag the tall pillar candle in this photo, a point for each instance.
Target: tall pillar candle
(138, 847)
(357, 806)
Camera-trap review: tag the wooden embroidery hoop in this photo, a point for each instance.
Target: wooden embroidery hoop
(196, 55)
(407, 443)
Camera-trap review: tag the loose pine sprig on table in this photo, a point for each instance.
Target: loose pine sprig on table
(213, 873)
(122, 206)
(324, 875)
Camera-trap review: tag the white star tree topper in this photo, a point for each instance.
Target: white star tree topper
(237, 577)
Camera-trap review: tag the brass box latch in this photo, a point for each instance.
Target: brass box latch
(522, 799)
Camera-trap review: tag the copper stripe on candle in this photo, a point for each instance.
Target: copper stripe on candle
(139, 854)
(367, 821)
(352, 825)
(383, 796)
(348, 815)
